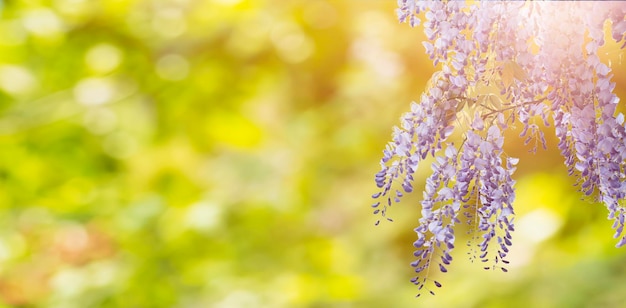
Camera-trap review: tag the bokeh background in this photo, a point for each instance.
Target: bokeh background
(186, 153)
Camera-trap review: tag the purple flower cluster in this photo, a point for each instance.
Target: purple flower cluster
(423, 131)
(543, 72)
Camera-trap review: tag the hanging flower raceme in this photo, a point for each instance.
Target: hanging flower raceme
(540, 67)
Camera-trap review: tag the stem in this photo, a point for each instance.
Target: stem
(486, 115)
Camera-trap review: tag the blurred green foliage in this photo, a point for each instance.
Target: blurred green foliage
(187, 153)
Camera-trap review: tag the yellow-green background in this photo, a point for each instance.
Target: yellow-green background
(190, 153)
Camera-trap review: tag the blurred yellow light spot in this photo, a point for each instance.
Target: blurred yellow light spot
(103, 58)
(549, 190)
(172, 67)
(102, 273)
(344, 287)
(135, 216)
(16, 80)
(251, 37)
(42, 22)
(13, 33)
(12, 245)
(69, 282)
(291, 43)
(34, 216)
(320, 254)
(78, 190)
(320, 14)
(227, 2)
(233, 129)
(239, 298)
(94, 91)
(169, 22)
(202, 216)
(100, 121)
(71, 7)
(5, 250)
(298, 288)
(538, 225)
(120, 145)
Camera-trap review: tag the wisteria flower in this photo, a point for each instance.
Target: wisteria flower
(542, 70)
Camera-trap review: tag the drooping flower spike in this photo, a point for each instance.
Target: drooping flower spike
(501, 63)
